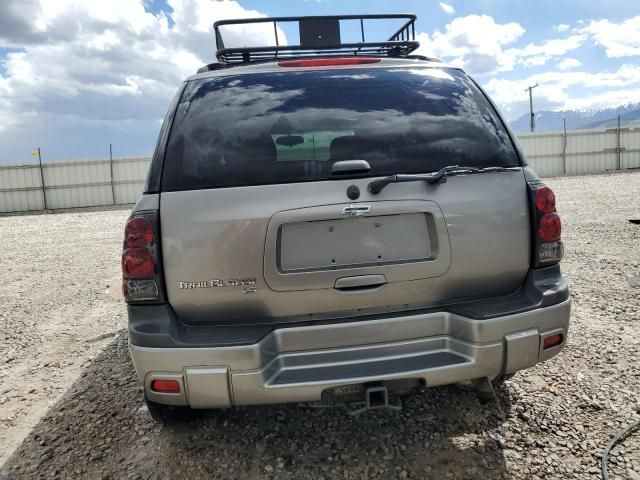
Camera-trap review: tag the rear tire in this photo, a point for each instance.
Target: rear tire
(165, 413)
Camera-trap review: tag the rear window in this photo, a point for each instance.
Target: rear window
(288, 127)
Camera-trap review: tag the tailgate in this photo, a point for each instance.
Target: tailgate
(297, 251)
(257, 226)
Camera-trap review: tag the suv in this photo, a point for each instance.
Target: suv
(337, 223)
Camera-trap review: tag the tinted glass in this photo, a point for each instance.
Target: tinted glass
(291, 127)
(152, 183)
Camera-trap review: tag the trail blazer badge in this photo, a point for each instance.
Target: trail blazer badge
(248, 284)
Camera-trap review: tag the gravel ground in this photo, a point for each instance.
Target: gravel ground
(550, 422)
(59, 306)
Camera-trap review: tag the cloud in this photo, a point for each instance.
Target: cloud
(78, 74)
(618, 39)
(538, 54)
(446, 8)
(17, 23)
(568, 90)
(569, 63)
(78, 71)
(534, 61)
(482, 46)
(475, 42)
(552, 48)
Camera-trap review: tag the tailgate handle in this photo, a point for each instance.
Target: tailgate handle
(360, 281)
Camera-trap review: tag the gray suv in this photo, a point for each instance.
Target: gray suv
(323, 224)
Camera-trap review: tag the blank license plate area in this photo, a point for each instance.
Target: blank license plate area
(359, 241)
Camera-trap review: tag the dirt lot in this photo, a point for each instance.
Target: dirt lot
(70, 406)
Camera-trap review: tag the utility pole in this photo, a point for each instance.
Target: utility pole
(44, 188)
(619, 145)
(564, 146)
(533, 118)
(113, 187)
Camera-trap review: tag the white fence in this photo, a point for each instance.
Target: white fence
(582, 152)
(103, 182)
(84, 183)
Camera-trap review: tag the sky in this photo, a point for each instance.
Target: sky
(78, 75)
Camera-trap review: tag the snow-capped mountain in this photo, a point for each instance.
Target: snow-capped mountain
(548, 121)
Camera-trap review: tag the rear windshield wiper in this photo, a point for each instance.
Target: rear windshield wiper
(433, 178)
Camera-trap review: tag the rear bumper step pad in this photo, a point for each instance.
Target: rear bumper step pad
(383, 367)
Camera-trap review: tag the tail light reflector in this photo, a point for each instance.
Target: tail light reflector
(552, 341)
(326, 62)
(551, 252)
(140, 289)
(165, 386)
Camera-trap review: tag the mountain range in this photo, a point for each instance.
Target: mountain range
(549, 121)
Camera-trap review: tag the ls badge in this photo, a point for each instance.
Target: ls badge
(248, 284)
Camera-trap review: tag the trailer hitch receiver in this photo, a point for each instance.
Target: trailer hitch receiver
(376, 397)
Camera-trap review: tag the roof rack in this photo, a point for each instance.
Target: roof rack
(319, 36)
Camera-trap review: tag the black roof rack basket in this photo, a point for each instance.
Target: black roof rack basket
(319, 36)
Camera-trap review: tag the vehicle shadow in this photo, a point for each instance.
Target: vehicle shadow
(101, 429)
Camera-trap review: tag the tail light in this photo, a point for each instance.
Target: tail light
(328, 62)
(138, 232)
(142, 280)
(547, 227)
(137, 263)
(545, 199)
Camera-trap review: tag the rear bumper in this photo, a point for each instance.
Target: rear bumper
(297, 363)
